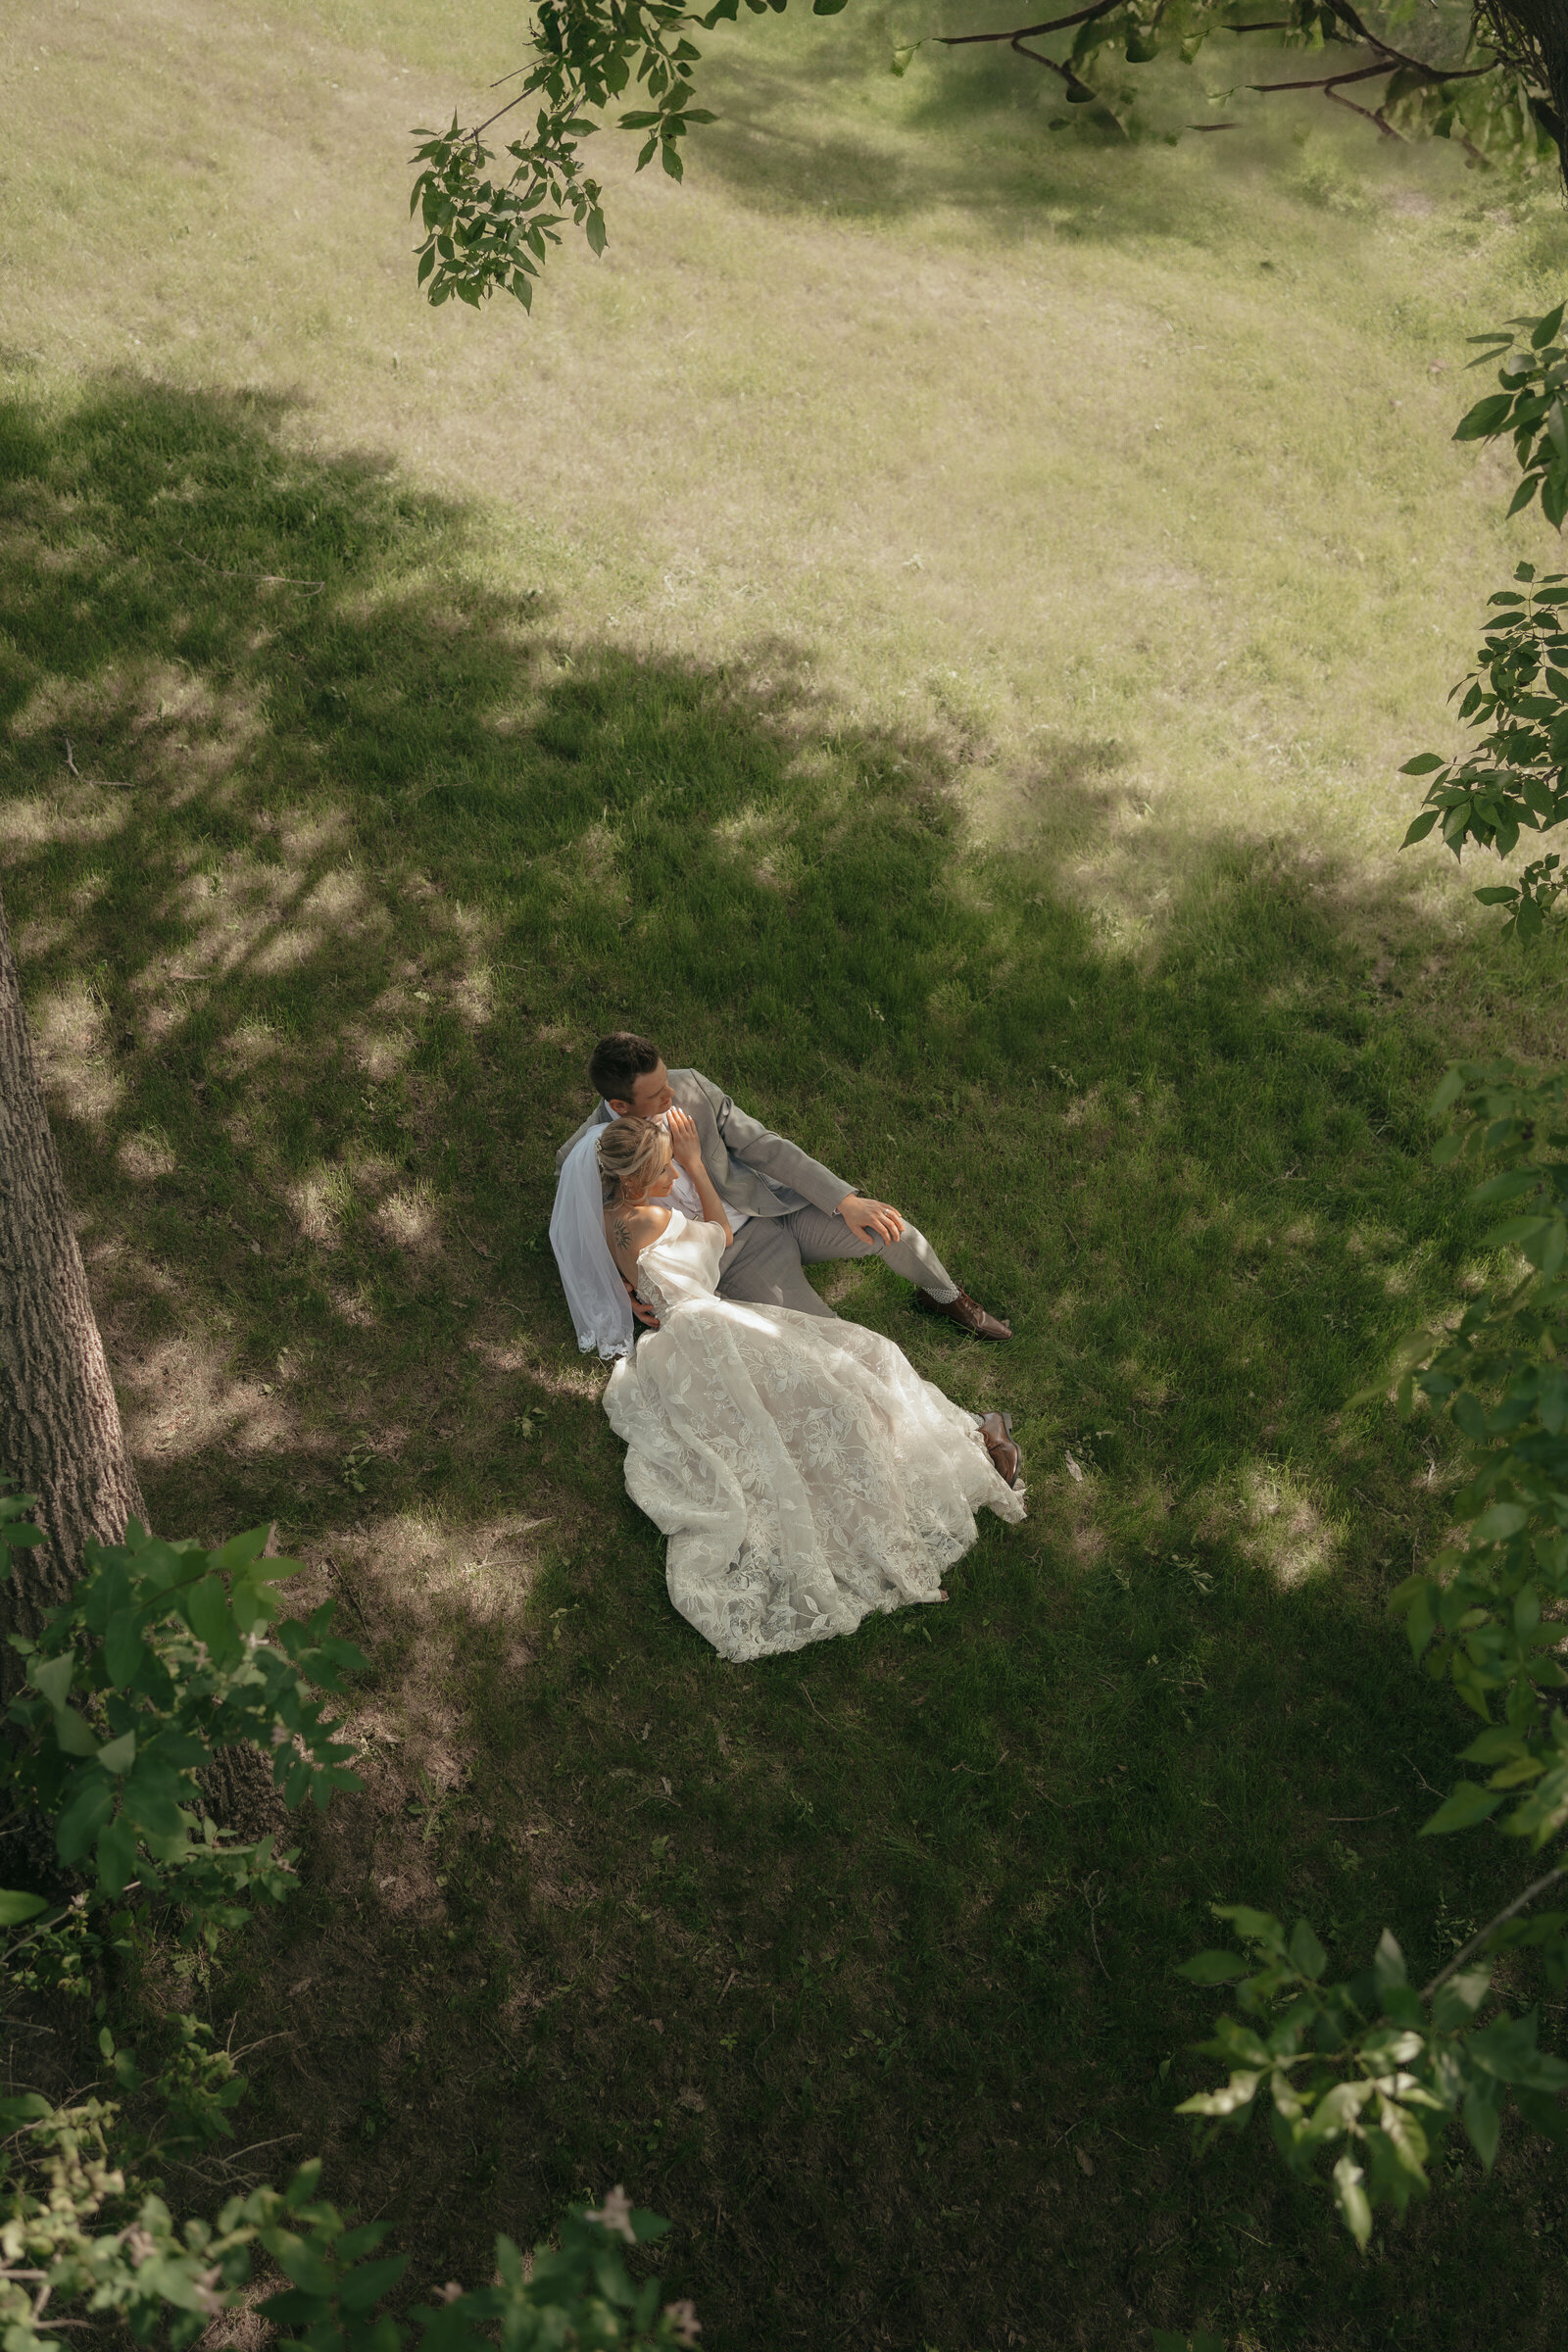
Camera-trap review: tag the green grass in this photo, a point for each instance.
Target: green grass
(573, 676)
(315, 996)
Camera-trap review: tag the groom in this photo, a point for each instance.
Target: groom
(785, 1209)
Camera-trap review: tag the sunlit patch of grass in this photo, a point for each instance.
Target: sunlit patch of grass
(1286, 1532)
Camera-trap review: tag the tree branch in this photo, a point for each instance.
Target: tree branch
(1027, 33)
(1073, 80)
(1322, 81)
(1519, 1903)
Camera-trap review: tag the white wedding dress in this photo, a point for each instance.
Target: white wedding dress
(802, 1471)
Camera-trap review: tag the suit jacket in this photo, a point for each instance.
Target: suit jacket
(750, 1167)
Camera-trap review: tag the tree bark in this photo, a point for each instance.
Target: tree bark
(60, 1432)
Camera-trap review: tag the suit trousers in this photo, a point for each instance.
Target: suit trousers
(762, 1265)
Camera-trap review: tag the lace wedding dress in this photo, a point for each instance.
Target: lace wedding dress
(802, 1471)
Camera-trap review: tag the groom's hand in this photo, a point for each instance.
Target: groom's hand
(644, 1314)
(873, 1220)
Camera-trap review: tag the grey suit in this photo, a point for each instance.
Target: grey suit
(791, 1202)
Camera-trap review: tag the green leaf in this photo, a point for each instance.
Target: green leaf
(1420, 827)
(1448, 1093)
(116, 1856)
(1388, 1963)
(1455, 2003)
(1466, 1804)
(1496, 1525)
(303, 2185)
(1424, 764)
(118, 1755)
(1256, 1927)
(1542, 2111)
(300, 2262)
(1351, 2199)
(14, 1909)
(1214, 1968)
(124, 1648)
(1483, 2121)
(1547, 329)
(72, 1735)
(1486, 417)
(1506, 1186)
(29, 2108)
(1469, 1415)
(594, 229)
(1307, 1956)
(211, 1618)
(1514, 1230)
(372, 2279)
(1237, 2093)
(240, 1550)
(52, 1676)
(85, 1815)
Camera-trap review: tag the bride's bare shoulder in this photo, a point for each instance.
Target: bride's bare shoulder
(630, 1230)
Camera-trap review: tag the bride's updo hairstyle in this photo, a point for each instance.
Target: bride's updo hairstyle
(631, 1151)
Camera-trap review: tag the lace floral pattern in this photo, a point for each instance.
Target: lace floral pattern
(802, 1471)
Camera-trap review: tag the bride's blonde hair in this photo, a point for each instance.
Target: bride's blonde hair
(631, 1151)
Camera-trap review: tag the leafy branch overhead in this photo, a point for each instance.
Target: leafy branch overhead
(1371, 2071)
(1515, 779)
(1490, 77)
(1455, 77)
(165, 1655)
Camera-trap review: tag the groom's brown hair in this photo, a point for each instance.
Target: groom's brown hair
(618, 1060)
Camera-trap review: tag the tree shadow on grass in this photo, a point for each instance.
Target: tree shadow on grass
(843, 1961)
(989, 135)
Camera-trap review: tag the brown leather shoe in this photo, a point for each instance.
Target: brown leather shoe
(968, 1314)
(1005, 1458)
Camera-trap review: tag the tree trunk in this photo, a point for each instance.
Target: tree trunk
(60, 1433)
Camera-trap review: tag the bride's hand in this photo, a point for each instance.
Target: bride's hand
(683, 1141)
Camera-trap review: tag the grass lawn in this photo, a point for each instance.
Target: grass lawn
(928, 636)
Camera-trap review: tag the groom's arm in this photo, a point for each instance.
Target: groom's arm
(773, 1156)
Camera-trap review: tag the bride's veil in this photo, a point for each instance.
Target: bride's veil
(590, 1276)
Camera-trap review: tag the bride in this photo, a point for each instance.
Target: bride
(802, 1471)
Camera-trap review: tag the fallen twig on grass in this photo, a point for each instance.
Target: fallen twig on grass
(1093, 1904)
(102, 783)
(338, 1576)
(258, 579)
